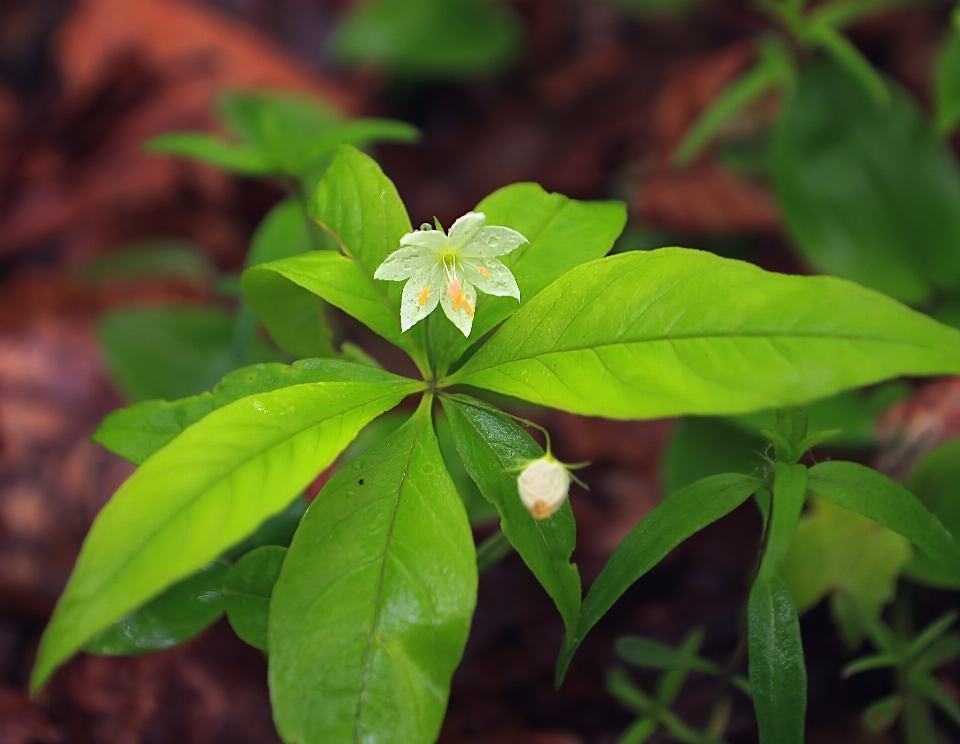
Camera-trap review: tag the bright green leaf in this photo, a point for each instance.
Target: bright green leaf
(372, 609)
(172, 618)
(563, 234)
(868, 191)
(681, 515)
(676, 331)
(789, 496)
(490, 444)
(278, 530)
(430, 38)
(247, 590)
(778, 677)
(866, 491)
(209, 488)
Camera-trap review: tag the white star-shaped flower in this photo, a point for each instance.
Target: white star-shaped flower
(449, 268)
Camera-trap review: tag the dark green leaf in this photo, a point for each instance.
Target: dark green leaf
(941, 652)
(244, 159)
(789, 495)
(866, 663)
(676, 331)
(278, 530)
(430, 38)
(700, 447)
(868, 191)
(173, 352)
(880, 716)
(491, 551)
(620, 685)
(778, 677)
(479, 509)
(209, 488)
(924, 683)
(372, 609)
(563, 234)
(851, 59)
(490, 444)
(684, 513)
(650, 654)
(136, 432)
(172, 618)
(863, 490)
(639, 732)
(931, 633)
(247, 590)
(671, 682)
(148, 259)
(947, 83)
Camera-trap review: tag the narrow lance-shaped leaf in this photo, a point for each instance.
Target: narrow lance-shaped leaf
(205, 491)
(681, 515)
(677, 331)
(562, 233)
(491, 444)
(778, 677)
(136, 432)
(372, 609)
(236, 158)
(872, 494)
(789, 494)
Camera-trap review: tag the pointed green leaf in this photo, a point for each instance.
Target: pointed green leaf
(684, 513)
(247, 160)
(372, 609)
(676, 331)
(931, 633)
(563, 234)
(649, 654)
(868, 191)
(778, 677)
(789, 496)
(866, 491)
(247, 590)
(867, 663)
(136, 432)
(941, 652)
(880, 716)
(209, 488)
(172, 618)
(490, 444)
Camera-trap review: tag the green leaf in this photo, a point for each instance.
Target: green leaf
(866, 491)
(148, 259)
(650, 654)
(931, 633)
(837, 549)
(931, 689)
(789, 495)
(173, 352)
(847, 56)
(246, 160)
(773, 69)
(880, 716)
(778, 677)
(670, 683)
(278, 530)
(479, 509)
(701, 447)
(681, 515)
(275, 121)
(372, 609)
(676, 331)
(868, 191)
(172, 618)
(947, 81)
(491, 551)
(247, 590)
(209, 488)
(284, 232)
(620, 685)
(563, 234)
(868, 663)
(429, 38)
(490, 444)
(941, 652)
(136, 432)
(639, 732)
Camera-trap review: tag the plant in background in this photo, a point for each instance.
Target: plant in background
(171, 352)
(370, 610)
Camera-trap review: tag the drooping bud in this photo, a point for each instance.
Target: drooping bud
(543, 485)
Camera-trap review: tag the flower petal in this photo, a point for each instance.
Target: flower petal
(420, 296)
(404, 263)
(460, 313)
(432, 240)
(493, 241)
(466, 228)
(490, 276)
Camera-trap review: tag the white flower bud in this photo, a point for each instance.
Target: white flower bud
(543, 486)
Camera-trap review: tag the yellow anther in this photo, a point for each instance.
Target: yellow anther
(483, 270)
(424, 295)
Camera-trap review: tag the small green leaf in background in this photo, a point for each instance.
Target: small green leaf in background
(372, 609)
(872, 494)
(684, 513)
(246, 593)
(148, 259)
(172, 618)
(649, 654)
(880, 716)
(868, 191)
(246, 160)
(676, 331)
(208, 489)
(778, 677)
(936, 482)
(430, 38)
(837, 549)
(700, 447)
(846, 55)
(490, 444)
(947, 81)
(171, 353)
(789, 496)
(562, 233)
